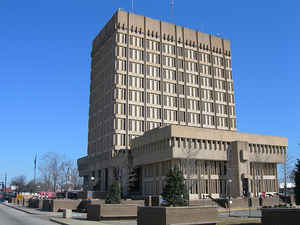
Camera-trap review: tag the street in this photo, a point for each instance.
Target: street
(9, 216)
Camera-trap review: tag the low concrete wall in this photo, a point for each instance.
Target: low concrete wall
(95, 195)
(94, 212)
(64, 204)
(243, 202)
(97, 212)
(132, 202)
(36, 203)
(203, 202)
(280, 216)
(47, 205)
(14, 200)
(83, 206)
(25, 202)
(176, 215)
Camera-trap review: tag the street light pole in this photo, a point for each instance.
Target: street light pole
(229, 196)
(67, 182)
(5, 180)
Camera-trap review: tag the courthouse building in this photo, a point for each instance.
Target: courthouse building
(161, 95)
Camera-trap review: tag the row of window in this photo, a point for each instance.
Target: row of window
(136, 110)
(171, 75)
(138, 68)
(174, 115)
(268, 169)
(154, 45)
(138, 96)
(171, 101)
(155, 58)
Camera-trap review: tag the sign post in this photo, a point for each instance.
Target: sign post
(250, 205)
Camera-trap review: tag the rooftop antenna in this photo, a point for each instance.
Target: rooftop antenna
(172, 10)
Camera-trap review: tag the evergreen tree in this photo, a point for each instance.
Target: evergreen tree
(133, 184)
(114, 194)
(297, 182)
(174, 192)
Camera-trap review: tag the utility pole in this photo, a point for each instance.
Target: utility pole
(132, 6)
(5, 180)
(34, 178)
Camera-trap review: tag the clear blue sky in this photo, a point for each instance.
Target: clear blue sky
(45, 68)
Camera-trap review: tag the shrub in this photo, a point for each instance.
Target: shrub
(114, 194)
(297, 182)
(175, 192)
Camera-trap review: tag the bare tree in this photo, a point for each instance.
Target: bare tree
(75, 179)
(189, 163)
(50, 169)
(20, 182)
(286, 172)
(65, 172)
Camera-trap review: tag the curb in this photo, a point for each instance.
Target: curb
(16, 208)
(233, 209)
(58, 222)
(22, 210)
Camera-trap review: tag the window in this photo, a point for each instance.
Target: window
(120, 79)
(136, 82)
(169, 74)
(137, 41)
(137, 68)
(121, 65)
(122, 38)
(153, 45)
(136, 54)
(168, 61)
(181, 76)
(153, 71)
(121, 51)
(169, 49)
(153, 85)
(180, 51)
(153, 58)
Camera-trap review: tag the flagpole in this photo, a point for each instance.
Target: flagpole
(34, 179)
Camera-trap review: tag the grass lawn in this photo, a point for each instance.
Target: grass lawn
(233, 220)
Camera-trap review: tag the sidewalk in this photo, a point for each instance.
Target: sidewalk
(32, 211)
(78, 221)
(80, 218)
(77, 218)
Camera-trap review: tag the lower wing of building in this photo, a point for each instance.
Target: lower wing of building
(214, 163)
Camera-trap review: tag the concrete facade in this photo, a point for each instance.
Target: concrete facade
(208, 160)
(145, 74)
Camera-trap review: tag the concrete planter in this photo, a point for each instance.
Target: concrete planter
(58, 204)
(84, 204)
(243, 202)
(113, 211)
(35, 203)
(26, 202)
(47, 205)
(280, 216)
(176, 215)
